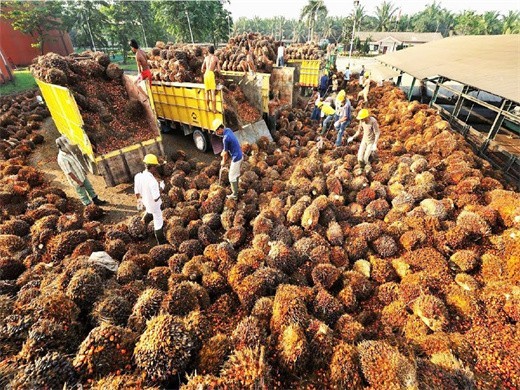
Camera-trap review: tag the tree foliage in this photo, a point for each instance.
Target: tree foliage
(37, 19)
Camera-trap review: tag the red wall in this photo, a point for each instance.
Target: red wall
(17, 46)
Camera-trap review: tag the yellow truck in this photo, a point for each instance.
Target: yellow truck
(183, 106)
(118, 166)
(307, 72)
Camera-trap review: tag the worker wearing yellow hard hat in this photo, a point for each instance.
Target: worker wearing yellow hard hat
(368, 124)
(327, 112)
(232, 150)
(148, 193)
(343, 115)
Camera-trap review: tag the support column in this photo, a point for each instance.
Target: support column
(497, 123)
(410, 92)
(438, 83)
(460, 100)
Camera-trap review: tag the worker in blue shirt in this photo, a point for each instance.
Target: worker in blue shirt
(231, 149)
(324, 84)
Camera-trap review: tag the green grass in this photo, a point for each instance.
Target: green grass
(23, 81)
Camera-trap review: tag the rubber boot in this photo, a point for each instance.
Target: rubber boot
(234, 189)
(98, 202)
(147, 218)
(159, 236)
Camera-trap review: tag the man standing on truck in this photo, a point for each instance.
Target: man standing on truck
(142, 63)
(208, 67)
(76, 174)
(148, 193)
(248, 64)
(371, 134)
(231, 149)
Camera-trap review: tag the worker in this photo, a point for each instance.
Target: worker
(209, 66)
(313, 101)
(281, 53)
(371, 134)
(324, 84)
(327, 112)
(142, 63)
(343, 116)
(273, 111)
(148, 193)
(231, 149)
(248, 64)
(366, 87)
(76, 173)
(361, 74)
(346, 75)
(335, 83)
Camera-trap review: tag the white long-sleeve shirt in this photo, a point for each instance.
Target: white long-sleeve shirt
(147, 187)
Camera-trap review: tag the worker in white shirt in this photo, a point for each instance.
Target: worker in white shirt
(371, 134)
(366, 87)
(148, 193)
(75, 172)
(281, 53)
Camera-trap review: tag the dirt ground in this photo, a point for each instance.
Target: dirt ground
(121, 198)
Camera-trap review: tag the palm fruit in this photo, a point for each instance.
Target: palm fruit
(293, 349)
(384, 366)
(48, 335)
(214, 353)
(106, 349)
(289, 307)
(64, 244)
(17, 227)
(158, 277)
(214, 283)
(54, 305)
(165, 348)
(321, 343)
(191, 248)
(310, 217)
(121, 382)
(52, 371)
(86, 248)
(432, 311)
(112, 309)
(248, 334)
(335, 234)
(116, 248)
(201, 382)
(466, 260)
(325, 275)
(361, 286)
(10, 268)
(326, 307)
(344, 367)
(128, 271)
(137, 228)
(385, 246)
(161, 253)
(11, 243)
(263, 309)
(281, 257)
(84, 288)
(147, 306)
(68, 222)
(247, 369)
(185, 297)
(93, 212)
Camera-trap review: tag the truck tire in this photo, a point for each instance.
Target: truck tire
(201, 140)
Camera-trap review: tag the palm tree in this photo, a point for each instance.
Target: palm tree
(358, 15)
(298, 32)
(311, 12)
(491, 23)
(384, 15)
(511, 23)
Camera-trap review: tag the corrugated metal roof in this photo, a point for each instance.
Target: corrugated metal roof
(490, 63)
(402, 36)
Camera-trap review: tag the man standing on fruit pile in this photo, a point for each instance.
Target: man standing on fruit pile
(76, 174)
(343, 114)
(371, 134)
(208, 67)
(148, 193)
(231, 149)
(142, 64)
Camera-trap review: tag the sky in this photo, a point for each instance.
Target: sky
(291, 8)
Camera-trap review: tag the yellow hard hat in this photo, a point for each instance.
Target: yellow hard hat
(319, 104)
(367, 75)
(216, 123)
(363, 114)
(151, 159)
(341, 95)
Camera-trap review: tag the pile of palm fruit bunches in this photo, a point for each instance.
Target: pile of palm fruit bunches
(404, 276)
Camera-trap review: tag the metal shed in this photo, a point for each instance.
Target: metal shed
(479, 78)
